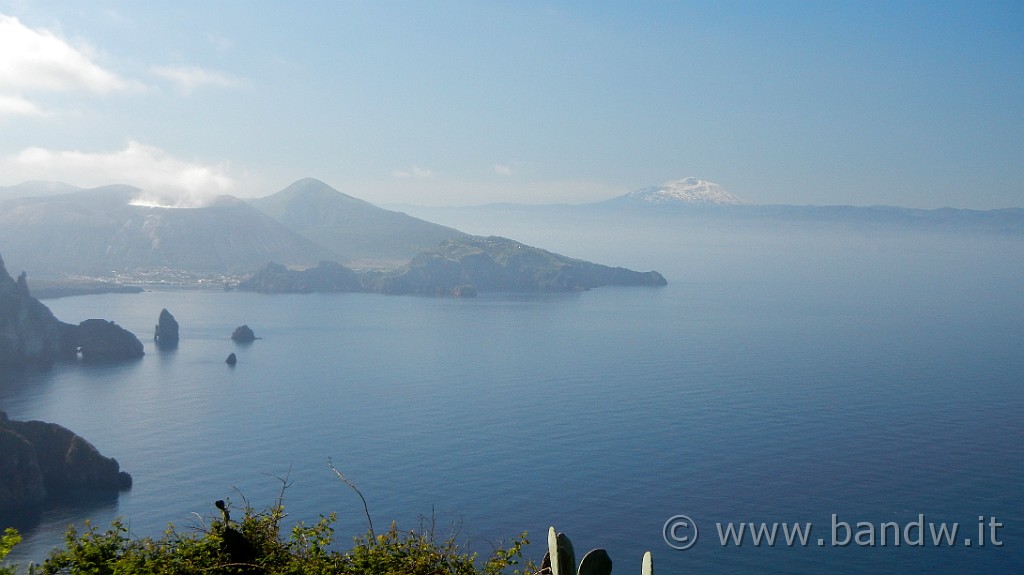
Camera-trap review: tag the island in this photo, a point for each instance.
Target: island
(458, 267)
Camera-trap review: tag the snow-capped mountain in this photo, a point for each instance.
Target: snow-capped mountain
(687, 191)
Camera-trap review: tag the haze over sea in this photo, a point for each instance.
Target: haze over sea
(785, 374)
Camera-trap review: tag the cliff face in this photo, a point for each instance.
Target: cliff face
(38, 459)
(21, 479)
(29, 333)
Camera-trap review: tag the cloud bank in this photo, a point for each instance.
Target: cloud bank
(34, 61)
(165, 180)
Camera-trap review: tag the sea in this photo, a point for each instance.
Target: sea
(863, 384)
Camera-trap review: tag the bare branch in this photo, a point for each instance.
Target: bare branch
(366, 509)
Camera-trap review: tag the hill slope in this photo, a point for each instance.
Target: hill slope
(35, 188)
(360, 233)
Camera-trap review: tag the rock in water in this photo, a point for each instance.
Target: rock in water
(231, 360)
(38, 459)
(243, 334)
(166, 335)
(101, 340)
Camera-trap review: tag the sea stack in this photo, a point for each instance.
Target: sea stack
(243, 334)
(231, 360)
(166, 334)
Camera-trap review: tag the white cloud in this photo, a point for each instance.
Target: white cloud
(39, 61)
(502, 170)
(18, 106)
(164, 179)
(189, 78)
(414, 172)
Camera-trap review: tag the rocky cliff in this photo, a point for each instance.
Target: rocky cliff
(29, 333)
(39, 459)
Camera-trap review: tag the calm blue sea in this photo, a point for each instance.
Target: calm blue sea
(782, 376)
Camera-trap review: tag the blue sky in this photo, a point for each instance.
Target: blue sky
(917, 104)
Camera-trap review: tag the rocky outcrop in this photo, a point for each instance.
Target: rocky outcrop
(166, 334)
(29, 333)
(102, 340)
(39, 459)
(232, 359)
(243, 334)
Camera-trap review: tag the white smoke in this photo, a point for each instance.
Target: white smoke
(164, 180)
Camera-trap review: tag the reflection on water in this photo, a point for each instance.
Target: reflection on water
(44, 526)
(52, 515)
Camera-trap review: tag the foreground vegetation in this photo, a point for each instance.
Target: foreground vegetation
(256, 545)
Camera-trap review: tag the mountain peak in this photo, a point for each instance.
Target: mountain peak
(308, 183)
(310, 189)
(687, 190)
(359, 232)
(308, 186)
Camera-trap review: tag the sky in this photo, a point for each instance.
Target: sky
(917, 104)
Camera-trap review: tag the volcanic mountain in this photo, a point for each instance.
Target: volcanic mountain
(105, 231)
(361, 234)
(98, 232)
(686, 191)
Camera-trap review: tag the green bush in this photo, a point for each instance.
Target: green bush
(8, 540)
(255, 545)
